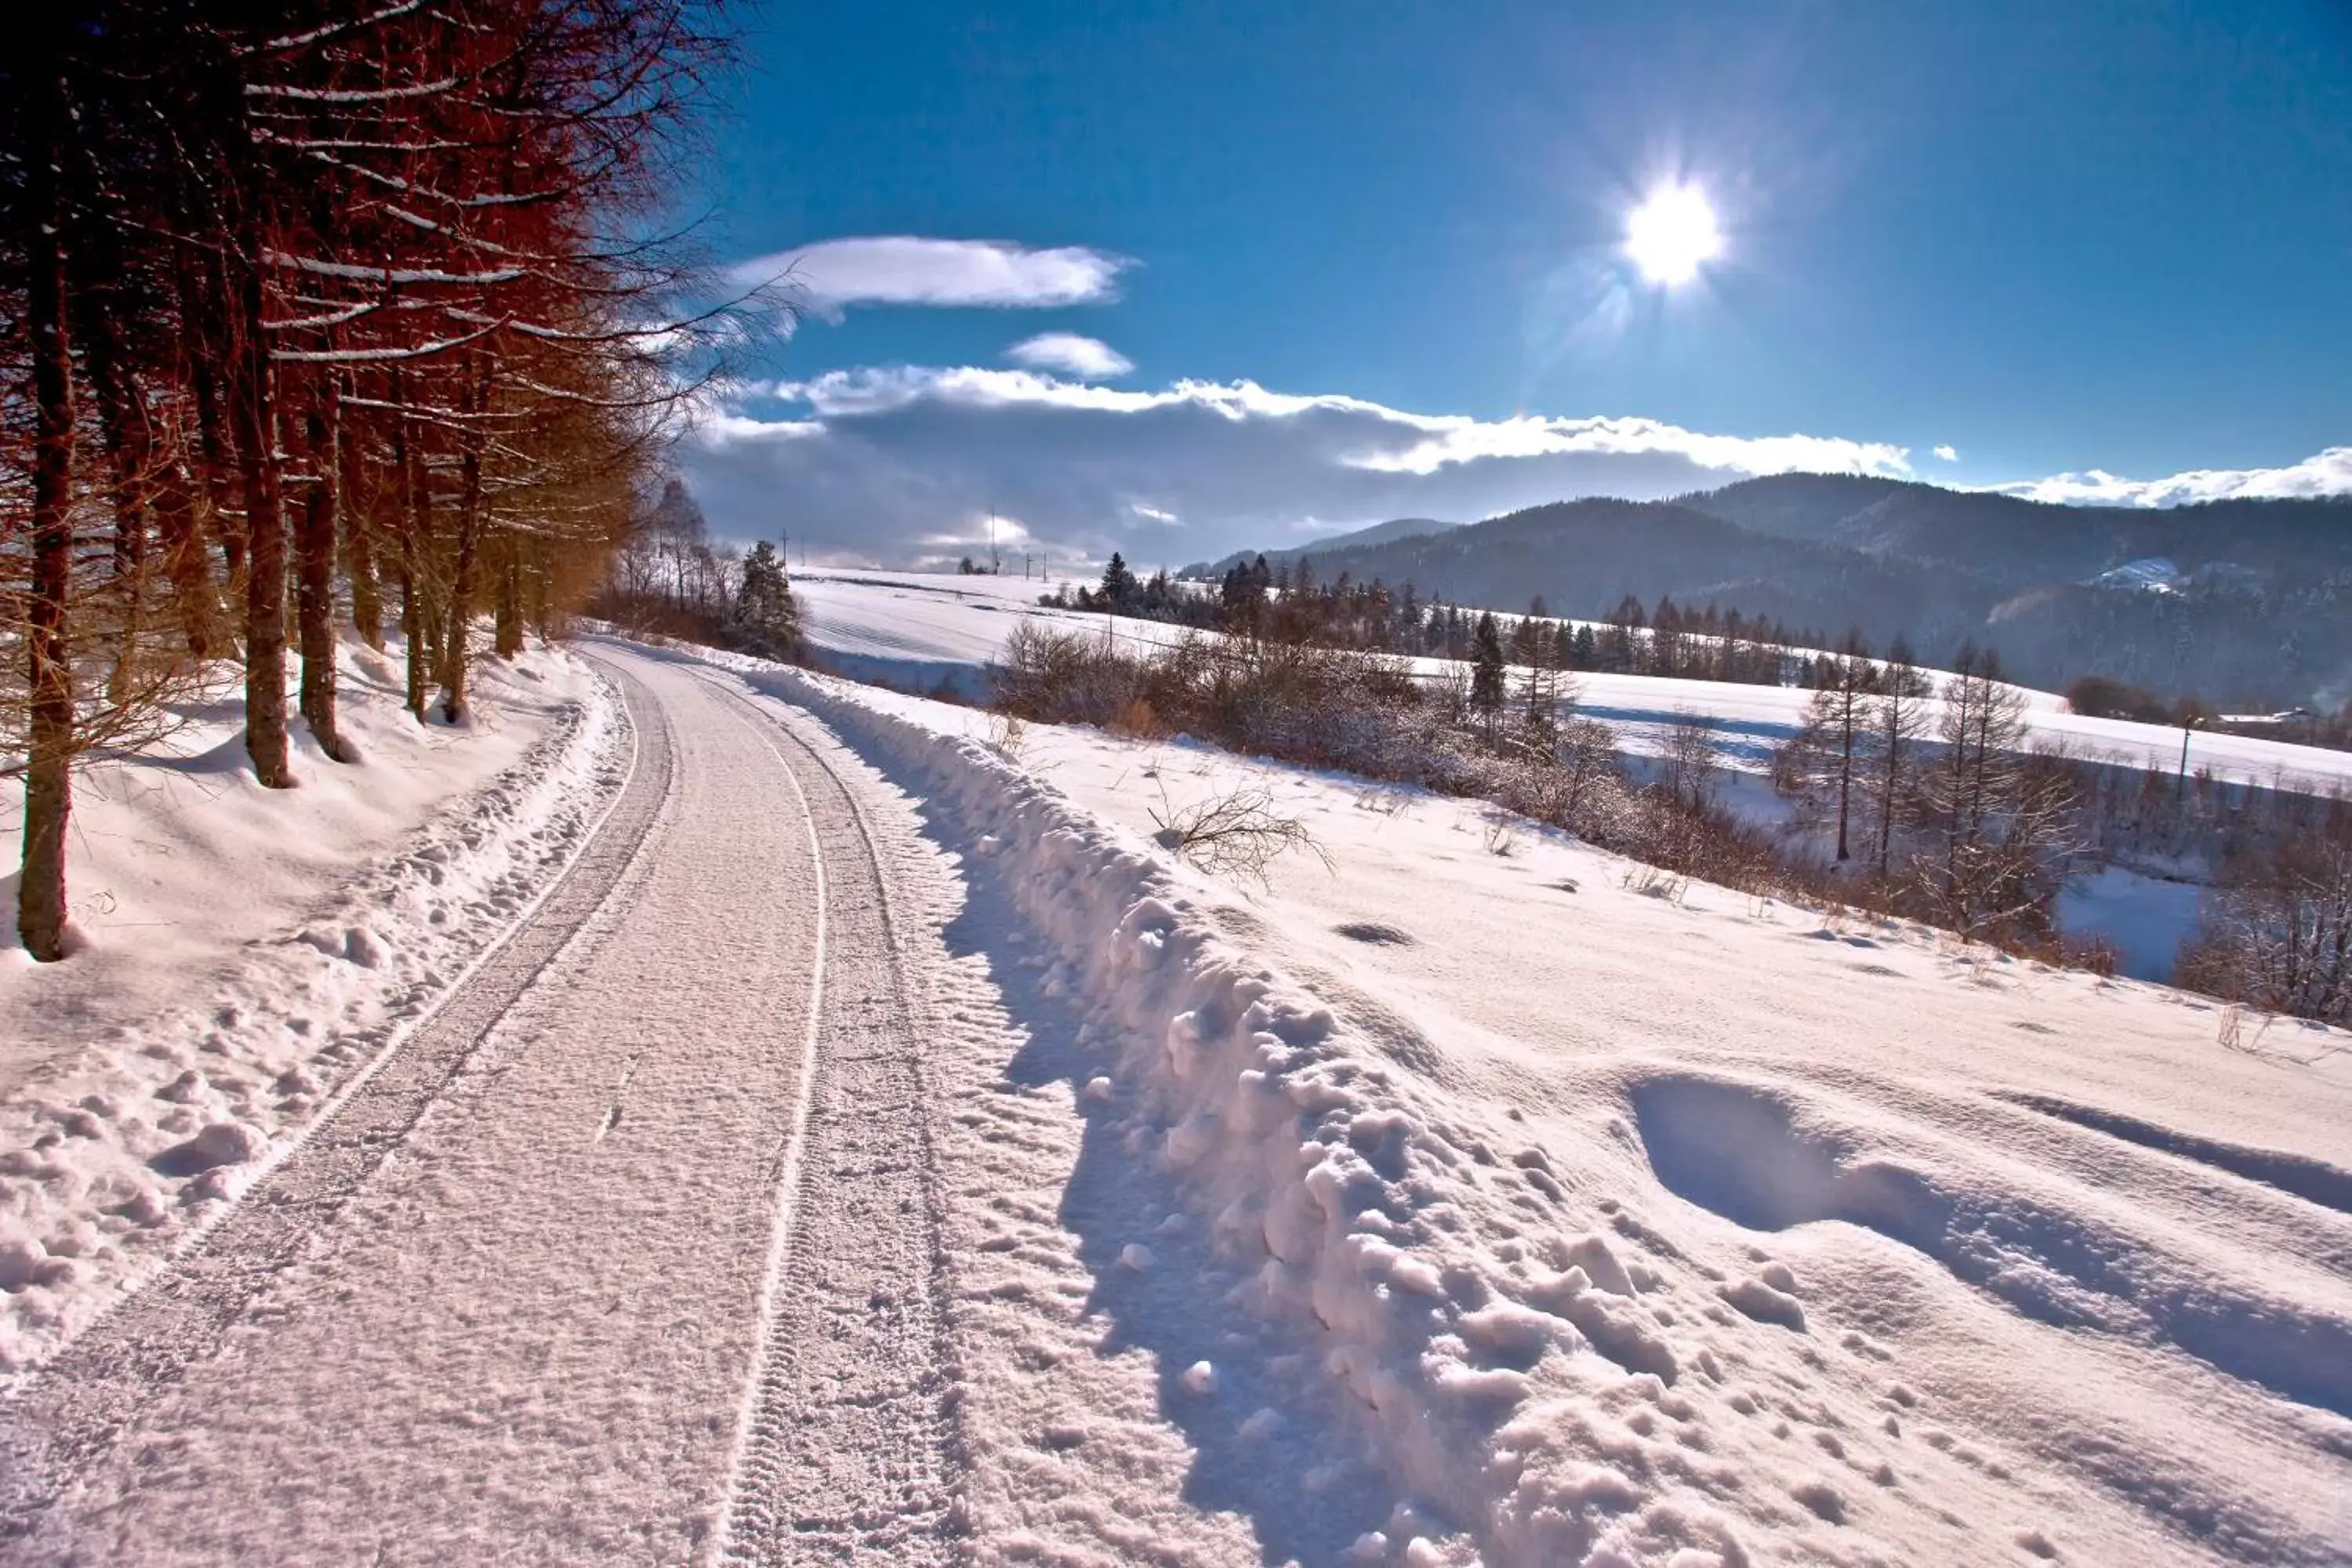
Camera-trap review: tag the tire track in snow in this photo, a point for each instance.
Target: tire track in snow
(73, 1411)
(844, 1450)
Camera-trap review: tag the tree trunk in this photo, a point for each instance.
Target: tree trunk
(202, 285)
(412, 632)
(414, 624)
(510, 642)
(359, 548)
(252, 422)
(185, 563)
(315, 598)
(415, 504)
(129, 439)
(461, 591)
(1847, 721)
(461, 582)
(41, 888)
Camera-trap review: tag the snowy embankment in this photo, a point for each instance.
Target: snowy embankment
(1629, 1226)
(241, 956)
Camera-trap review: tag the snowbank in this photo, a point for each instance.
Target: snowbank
(1306, 1156)
(316, 925)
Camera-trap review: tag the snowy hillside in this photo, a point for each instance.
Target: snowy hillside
(920, 630)
(1482, 1197)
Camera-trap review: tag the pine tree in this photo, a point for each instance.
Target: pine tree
(1487, 668)
(766, 620)
(1118, 584)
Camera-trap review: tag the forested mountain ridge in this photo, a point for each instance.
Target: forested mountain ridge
(2240, 601)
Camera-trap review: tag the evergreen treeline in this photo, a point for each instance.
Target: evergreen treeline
(310, 310)
(1289, 603)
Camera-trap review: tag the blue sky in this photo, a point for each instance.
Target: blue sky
(2101, 240)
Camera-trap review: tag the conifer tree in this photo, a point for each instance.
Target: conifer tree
(1487, 668)
(1118, 584)
(766, 617)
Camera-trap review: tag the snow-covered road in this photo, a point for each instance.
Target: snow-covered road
(549, 1286)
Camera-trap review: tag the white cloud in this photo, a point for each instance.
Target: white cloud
(1461, 439)
(882, 462)
(1948, 454)
(1089, 359)
(879, 464)
(2329, 473)
(906, 269)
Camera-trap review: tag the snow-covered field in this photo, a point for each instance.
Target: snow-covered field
(924, 631)
(240, 955)
(920, 630)
(1521, 1208)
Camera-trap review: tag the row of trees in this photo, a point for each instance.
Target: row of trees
(318, 307)
(1974, 830)
(1287, 602)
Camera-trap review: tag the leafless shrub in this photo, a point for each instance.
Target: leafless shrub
(1241, 832)
(2277, 935)
(1656, 882)
(2231, 1029)
(1008, 734)
(1689, 760)
(2094, 953)
(1502, 841)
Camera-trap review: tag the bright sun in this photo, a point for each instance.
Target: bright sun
(1670, 234)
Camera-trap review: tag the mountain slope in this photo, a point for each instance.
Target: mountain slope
(1378, 533)
(2251, 609)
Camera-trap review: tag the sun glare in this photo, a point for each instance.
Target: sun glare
(1672, 234)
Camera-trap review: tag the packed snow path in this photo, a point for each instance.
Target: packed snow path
(551, 1285)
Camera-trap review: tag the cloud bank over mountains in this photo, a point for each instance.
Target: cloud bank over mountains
(2328, 473)
(902, 464)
